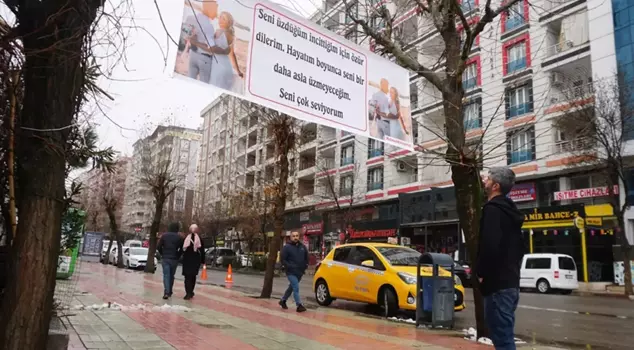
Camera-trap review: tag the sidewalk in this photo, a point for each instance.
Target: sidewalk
(119, 309)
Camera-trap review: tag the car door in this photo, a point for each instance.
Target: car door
(365, 280)
(337, 274)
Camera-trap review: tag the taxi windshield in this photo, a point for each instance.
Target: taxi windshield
(399, 256)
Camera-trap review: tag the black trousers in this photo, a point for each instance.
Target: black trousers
(190, 283)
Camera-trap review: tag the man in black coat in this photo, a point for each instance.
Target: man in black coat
(193, 257)
(170, 247)
(500, 253)
(295, 258)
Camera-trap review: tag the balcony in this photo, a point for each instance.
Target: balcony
(347, 160)
(571, 86)
(567, 40)
(404, 179)
(375, 152)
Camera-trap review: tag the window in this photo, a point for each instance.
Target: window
(566, 263)
(375, 148)
(538, 263)
(361, 254)
(516, 57)
(345, 185)
(341, 254)
(519, 101)
(545, 192)
(347, 155)
(471, 113)
(413, 93)
(470, 76)
(521, 146)
(375, 179)
(468, 5)
(515, 16)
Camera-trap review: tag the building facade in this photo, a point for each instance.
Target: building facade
(527, 70)
(95, 185)
(172, 150)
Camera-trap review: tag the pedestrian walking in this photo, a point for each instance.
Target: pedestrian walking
(295, 260)
(193, 257)
(500, 251)
(170, 247)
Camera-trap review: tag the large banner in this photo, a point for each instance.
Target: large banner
(260, 52)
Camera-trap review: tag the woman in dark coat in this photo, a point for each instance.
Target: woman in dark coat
(193, 256)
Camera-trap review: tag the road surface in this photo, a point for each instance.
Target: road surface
(558, 320)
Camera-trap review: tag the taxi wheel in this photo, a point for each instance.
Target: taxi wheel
(322, 293)
(389, 302)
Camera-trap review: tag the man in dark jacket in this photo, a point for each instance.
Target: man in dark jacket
(170, 246)
(295, 258)
(500, 253)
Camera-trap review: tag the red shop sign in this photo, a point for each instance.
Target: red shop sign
(313, 229)
(373, 233)
(523, 192)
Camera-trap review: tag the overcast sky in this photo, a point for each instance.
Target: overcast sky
(144, 91)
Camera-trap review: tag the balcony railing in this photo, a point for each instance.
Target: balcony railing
(327, 163)
(306, 165)
(519, 109)
(346, 191)
(576, 145)
(375, 152)
(469, 83)
(521, 156)
(347, 160)
(372, 186)
(516, 65)
(404, 180)
(514, 21)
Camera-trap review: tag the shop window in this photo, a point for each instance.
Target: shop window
(545, 192)
(519, 100)
(520, 146)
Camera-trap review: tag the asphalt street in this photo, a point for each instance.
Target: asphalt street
(561, 320)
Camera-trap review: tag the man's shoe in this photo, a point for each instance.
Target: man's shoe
(301, 308)
(283, 304)
(187, 297)
(166, 296)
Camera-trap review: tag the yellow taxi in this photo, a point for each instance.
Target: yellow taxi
(374, 273)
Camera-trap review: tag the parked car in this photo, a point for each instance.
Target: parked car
(133, 243)
(463, 272)
(136, 258)
(219, 256)
(547, 272)
(375, 273)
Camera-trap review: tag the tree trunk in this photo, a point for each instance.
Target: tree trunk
(625, 246)
(156, 222)
(13, 87)
(284, 140)
(106, 261)
(53, 37)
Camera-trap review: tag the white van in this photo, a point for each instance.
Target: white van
(546, 272)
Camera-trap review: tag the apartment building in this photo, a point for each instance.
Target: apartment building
(97, 183)
(530, 67)
(170, 149)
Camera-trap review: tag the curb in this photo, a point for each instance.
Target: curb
(599, 294)
(242, 272)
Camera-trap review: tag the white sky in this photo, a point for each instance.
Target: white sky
(145, 94)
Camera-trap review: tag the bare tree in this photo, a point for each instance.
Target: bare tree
(110, 203)
(248, 217)
(445, 73)
(162, 177)
(596, 136)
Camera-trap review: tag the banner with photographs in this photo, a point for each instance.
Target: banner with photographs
(265, 54)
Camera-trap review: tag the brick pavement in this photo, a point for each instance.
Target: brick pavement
(218, 319)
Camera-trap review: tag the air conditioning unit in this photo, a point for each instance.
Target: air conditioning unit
(556, 78)
(401, 166)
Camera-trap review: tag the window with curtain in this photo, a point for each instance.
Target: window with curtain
(516, 57)
(519, 101)
(375, 179)
(515, 16)
(347, 155)
(345, 185)
(470, 76)
(375, 148)
(521, 146)
(471, 114)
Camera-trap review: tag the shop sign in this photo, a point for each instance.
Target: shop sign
(594, 221)
(585, 193)
(313, 228)
(523, 192)
(555, 215)
(373, 233)
(304, 216)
